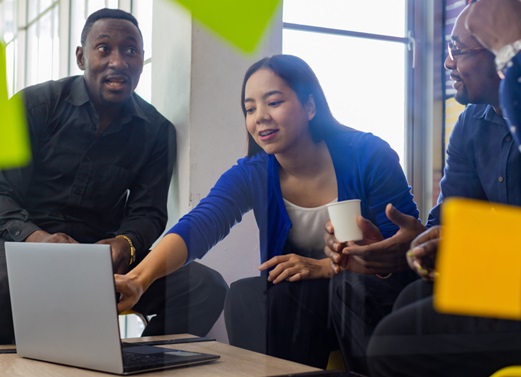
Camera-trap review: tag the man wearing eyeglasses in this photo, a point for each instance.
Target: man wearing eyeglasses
(483, 162)
(486, 22)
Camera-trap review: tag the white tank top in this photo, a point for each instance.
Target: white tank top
(306, 236)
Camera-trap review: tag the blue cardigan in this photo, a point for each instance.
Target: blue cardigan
(366, 168)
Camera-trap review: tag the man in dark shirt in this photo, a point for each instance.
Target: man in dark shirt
(100, 173)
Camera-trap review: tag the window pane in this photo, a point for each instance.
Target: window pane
(44, 4)
(32, 10)
(142, 10)
(144, 88)
(42, 49)
(94, 5)
(10, 53)
(7, 21)
(76, 25)
(55, 30)
(386, 17)
(362, 91)
(32, 55)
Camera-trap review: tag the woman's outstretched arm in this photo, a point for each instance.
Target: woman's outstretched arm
(169, 255)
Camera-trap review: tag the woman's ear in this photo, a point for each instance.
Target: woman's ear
(310, 107)
(80, 59)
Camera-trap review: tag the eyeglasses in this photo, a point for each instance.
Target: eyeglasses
(455, 52)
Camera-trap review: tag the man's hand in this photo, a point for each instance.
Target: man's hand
(293, 267)
(120, 253)
(422, 256)
(42, 236)
(374, 255)
(495, 23)
(333, 249)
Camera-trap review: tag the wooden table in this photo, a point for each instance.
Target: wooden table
(233, 362)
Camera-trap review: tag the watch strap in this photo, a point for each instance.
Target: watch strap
(506, 53)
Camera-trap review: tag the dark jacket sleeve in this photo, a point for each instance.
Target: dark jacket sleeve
(146, 210)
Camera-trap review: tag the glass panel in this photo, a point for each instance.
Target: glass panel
(385, 17)
(7, 21)
(43, 49)
(32, 55)
(32, 10)
(10, 52)
(55, 25)
(362, 92)
(3, 19)
(112, 3)
(94, 5)
(44, 4)
(77, 12)
(144, 89)
(142, 10)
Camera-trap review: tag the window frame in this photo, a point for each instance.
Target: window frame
(418, 128)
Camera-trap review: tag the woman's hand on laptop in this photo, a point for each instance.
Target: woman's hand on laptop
(130, 291)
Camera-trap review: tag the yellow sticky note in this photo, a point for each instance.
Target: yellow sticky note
(479, 260)
(512, 371)
(240, 22)
(14, 140)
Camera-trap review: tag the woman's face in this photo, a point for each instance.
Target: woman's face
(275, 118)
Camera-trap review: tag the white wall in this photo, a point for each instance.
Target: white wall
(196, 84)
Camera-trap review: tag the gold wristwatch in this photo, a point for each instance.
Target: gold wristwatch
(505, 55)
(132, 248)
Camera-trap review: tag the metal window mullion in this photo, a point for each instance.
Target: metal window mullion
(345, 33)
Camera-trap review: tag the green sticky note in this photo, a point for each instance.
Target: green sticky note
(15, 149)
(240, 22)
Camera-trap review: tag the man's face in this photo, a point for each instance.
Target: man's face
(112, 61)
(472, 67)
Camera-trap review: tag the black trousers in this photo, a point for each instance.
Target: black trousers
(416, 340)
(285, 320)
(358, 302)
(187, 301)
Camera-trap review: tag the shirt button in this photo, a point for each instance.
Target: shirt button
(17, 233)
(508, 138)
(501, 179)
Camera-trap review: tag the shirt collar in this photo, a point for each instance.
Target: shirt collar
(489, 114)
(79, 96)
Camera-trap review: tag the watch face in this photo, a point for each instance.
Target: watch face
(506, 53)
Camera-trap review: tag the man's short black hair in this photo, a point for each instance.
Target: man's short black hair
(106, 13)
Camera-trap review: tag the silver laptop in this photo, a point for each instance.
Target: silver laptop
(64, 311)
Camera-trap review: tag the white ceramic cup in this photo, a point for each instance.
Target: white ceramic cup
(343, 217)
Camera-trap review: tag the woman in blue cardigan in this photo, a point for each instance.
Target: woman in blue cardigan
(299, 160)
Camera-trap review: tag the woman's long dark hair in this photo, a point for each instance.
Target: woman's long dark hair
(299, 76)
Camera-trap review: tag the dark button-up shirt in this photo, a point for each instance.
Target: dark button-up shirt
(483, 161)
(87, 185)
(510, 97)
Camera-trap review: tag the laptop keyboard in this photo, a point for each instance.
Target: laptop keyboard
(142, 358)
(138, 361)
